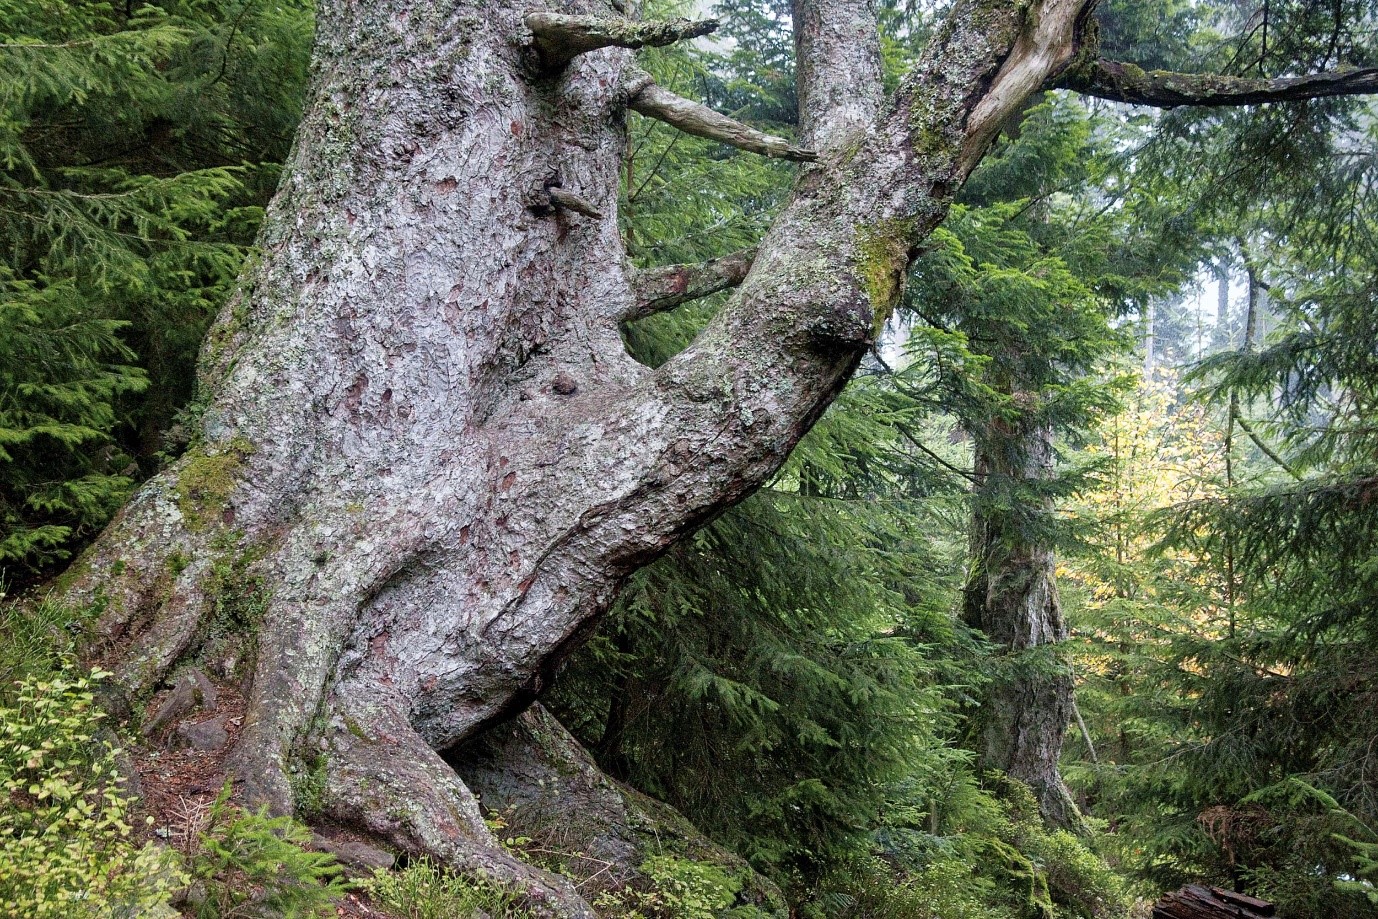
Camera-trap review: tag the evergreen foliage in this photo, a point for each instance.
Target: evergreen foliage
(138, 145)
(794, 677)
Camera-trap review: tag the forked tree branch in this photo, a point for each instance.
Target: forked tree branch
(1164, 89)
(660, 289)
(691, 117)
(559, 38)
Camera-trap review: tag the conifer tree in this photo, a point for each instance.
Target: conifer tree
(138, 147)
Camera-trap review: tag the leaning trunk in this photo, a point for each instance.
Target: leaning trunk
(427, 462)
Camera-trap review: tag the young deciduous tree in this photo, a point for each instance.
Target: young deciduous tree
(428, 462)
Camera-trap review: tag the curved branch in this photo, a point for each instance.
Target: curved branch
(694, 118)
(666, 287)
(559, 38)
(1121, 82)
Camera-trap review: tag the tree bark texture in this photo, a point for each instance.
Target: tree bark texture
(548, 788)
(428, 463)
(1012, 596)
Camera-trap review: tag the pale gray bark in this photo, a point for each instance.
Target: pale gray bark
(428, 462)
(838, 60)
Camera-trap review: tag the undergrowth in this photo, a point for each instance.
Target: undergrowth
(67, 844)
(423, 891)
(69, 847)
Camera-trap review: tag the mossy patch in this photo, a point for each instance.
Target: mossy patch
(309, 783)
(206, 480)
(882, 258)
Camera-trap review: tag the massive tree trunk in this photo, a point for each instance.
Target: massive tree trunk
(427, 462)
(1012, 596)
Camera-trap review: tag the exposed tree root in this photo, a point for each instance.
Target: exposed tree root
(382, 778)
(548, 788)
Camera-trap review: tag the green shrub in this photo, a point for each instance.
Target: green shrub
(672, 887)
(37, 640)
(992, 858)
(66, 846)
(948, 887)
(1079, 881)
(423, 891)
(252, 865)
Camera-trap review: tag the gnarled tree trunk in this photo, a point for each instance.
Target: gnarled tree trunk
(427, 462)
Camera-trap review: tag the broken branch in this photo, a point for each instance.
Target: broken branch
(666, 287)
(570, 201)
(691, 117)
(559, 38)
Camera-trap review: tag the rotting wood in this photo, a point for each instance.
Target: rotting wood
(1196, 902)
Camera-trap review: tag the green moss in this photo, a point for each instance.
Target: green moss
(206, 480)
(353, 727)
(881, 259)
(236, 601)
(76, 572)
(309, 786)
(239, 594)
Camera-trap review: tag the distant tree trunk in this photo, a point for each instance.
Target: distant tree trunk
(1150, 339)
(1223, 337)
(1012, 596)
(428, 463)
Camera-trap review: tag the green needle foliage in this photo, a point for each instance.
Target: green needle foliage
(138, 144)
(794, 677)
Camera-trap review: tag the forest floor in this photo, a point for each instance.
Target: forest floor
(177, 785)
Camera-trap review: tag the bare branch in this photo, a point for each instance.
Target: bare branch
(694, 118)
(559, 38)
(563, 199)
(664, 288)
(551, 196)
(1165, 89)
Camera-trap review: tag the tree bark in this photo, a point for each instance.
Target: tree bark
(1120, 82)
(428, 463)
(1012, 596)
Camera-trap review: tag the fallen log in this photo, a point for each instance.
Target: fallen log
(1196, 902)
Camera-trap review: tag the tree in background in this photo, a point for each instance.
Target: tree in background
(1233, 683)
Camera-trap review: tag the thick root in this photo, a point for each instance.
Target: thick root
(382, 778)
(547, 786)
